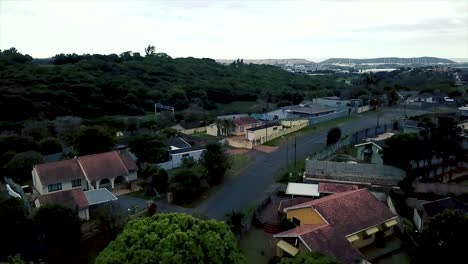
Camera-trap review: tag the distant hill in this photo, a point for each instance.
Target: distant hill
(271, 61)
(388, 60)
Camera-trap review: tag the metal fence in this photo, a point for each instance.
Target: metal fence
(353, 138)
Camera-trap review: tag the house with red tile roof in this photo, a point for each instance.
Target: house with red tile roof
(338, 225)
(74, 199)
(102, 170)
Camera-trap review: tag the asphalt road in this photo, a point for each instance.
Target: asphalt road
(247, 189)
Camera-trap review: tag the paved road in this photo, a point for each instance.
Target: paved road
(247, 189)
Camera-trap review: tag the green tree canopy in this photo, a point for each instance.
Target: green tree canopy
(93, 140)
(443, 239)
(20, 166)
(173, 238)
(50, 145)
(147, 148)
(308, 258)
(215, 161)
(334, 134)
(59, 232)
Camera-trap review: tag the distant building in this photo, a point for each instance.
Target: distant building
(372, 148)
(332, 101)
(309, 110)
(181, 149)
(412, 126)
(236, 125)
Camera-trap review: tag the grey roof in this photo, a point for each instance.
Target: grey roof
(99, 196)
(310, 109)
(184, 150)
(365, 173)
(273, 124)
(438, 206)
(179, 143)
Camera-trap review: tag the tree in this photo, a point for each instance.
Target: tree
(67, 128)
(309, 258)
(334, 134)
(235, 220)
(401, 149)
(36, 129)
(150, 50)
(21, 165)
(16, 228)
(160, 180)
(374, 103)
(59, 232)
(49, 146)
(444, 239)
(173, 238)
(132, 124)
(215, 162)
(152, 149)
(93, 140)
(187, 185)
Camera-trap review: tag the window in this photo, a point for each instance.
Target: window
(76, 183)
(55, 187)
(296, 221)
(241, 129)
(186, 155)
(275, 128)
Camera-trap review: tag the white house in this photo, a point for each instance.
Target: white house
(102, 170)
(176, 156)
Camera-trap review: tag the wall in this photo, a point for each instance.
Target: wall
(131, 176)
(258, 134)
(307, 216)
(365, 242)
(83, 214)
(440, 188)
(212, 130)
(37, 183)
(376, 157)
(323, 118)
(196, 130)
(363, 109)
(235, 143)
(417, 220)
(176, 159)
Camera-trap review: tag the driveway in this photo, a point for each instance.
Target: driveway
(247, 189)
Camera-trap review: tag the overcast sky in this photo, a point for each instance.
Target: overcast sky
(238, 29)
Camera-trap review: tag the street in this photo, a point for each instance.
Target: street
(246, 189)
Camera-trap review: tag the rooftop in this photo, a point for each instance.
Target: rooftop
(302, 189)
(245, 120)
(275, 124)
(325, 187)
(59, 171)
(346, 213)
(184, 150)
(178, 143)
(99, 196)
(364, 173)
(103, 165)
(309, 109)
(438, 206)
(73, 198)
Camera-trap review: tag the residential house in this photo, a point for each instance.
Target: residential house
(333, 101)
(372, 148)
(237, 125)
(309, 110)
(339, 225)
(427, 210)
(263, 133)
(181, 149)
(241, 124)
(74, 199)
(327, 188)
(360, 174)
(102, 170)
(463, 111)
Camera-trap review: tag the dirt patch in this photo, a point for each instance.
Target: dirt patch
(266, 149)
(238, 151)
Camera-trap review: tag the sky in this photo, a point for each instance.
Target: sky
(228, 29)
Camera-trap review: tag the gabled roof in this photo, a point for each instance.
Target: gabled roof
(325, 187)
(128, 162)
(178, 143)
(186, 150)
(345, 213)
(73, 198)
(103, 165)
(245, 120)
(438, 206)
(59, 171)
(291, 202)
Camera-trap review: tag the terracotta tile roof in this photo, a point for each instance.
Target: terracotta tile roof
(300, 230)
(346, 213)
(102, 165)
(59, 171)
(325, 187)
(291, 202)
(128, 162)
(245, 120)
(73, 198)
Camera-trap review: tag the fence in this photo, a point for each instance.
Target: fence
(323, 118)
(440, 188)
(354, 138)
(193, 130)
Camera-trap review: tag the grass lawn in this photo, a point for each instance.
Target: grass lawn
(238, 163)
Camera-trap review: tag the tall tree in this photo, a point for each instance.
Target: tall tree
(334, 134)
(49, 146)
(150, 50)
(173, 238)
(215, 162)
(152, 149)
(93, 140)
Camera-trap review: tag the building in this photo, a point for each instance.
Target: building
(347, 173)
(427, 210)
(181, 149)
(371, 150)
(74, 199)
(89, 172)
(326, 188)
(235, 125)
(302, 189)
(309, 110)
(264, 132)
(463, 111)
(339, 225)
(332, 101)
